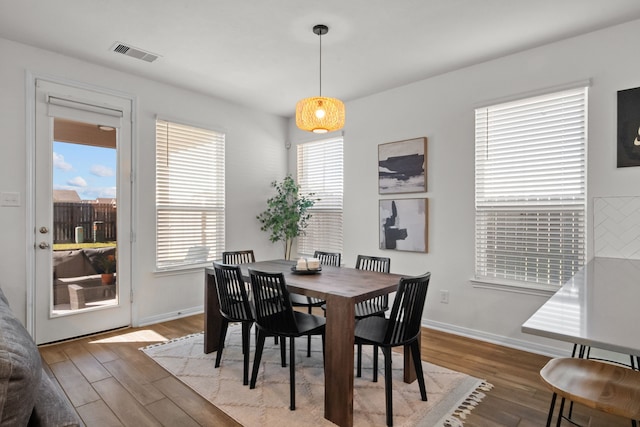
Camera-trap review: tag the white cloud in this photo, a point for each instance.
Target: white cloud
(108, 192)
(78, 181)
(101, 170)
(59, 163)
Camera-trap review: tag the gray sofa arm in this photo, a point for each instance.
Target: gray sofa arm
(52, 408)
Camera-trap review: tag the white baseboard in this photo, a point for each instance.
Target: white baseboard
(170, 316)
(530, 347)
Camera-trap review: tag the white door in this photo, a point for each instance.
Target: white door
(82, 211)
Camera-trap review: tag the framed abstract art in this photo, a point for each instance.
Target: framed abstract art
(628, 127)
(402, 166)
(404, 224)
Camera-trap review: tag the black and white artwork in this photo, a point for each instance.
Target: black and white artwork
(629, 127)
(402, 166)
(404, 224)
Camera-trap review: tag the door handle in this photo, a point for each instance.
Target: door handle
(43, 245)
(44, 230)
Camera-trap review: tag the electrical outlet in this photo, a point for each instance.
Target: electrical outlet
(444, 297)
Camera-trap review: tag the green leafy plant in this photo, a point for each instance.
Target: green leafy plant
(287, 213)
(107, 263)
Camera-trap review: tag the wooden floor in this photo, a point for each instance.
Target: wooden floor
(111, 383)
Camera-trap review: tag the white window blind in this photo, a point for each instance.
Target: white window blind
(530, 189)
(189, 195)
(320, 171)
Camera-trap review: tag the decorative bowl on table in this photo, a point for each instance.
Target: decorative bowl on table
(307, 266)
(294, 270)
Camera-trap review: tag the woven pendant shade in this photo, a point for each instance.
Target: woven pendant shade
(320, 114)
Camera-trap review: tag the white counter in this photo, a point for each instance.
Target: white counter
(598, 307)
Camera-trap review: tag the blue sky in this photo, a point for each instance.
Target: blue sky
(90, 171)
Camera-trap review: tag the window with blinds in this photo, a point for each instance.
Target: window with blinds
(189, 195)
(530, 189)
(320, 171)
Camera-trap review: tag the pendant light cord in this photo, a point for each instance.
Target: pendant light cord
(320, 35)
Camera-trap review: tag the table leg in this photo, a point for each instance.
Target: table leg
(338, 366)
(212, 316)
(409, 367)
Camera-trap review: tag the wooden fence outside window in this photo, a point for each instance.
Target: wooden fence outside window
(96, 222)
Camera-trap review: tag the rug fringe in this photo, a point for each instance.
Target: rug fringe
(456, 419)
(186, 337)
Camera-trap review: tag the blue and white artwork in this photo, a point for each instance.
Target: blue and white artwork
(404, 224)
(402, 166)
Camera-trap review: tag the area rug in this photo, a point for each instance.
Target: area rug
(451, 395)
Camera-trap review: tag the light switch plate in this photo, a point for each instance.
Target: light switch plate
(9, 199)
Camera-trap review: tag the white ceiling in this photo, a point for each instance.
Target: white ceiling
(263, 53)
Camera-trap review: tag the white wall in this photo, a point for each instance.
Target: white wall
(255, 156)
(442, 109)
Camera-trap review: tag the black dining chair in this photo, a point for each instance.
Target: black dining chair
(379, 305)
(275, 316)
(402, 328)
(328, 258)
(297, 300)
(375, 306)
(238, 257)
(234, 307)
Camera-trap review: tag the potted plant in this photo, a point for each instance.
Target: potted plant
(108, 265)
(287, 213)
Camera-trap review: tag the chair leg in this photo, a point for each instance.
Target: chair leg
(309, 336)
(553, 404)
(415, 350)
(223, 336)
(388, 398)
(292, 373)
(283, 352)
(375, 363)
(256, 359)
(246, 334)
(359, 361)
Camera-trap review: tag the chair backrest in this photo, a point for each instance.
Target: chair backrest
(232, 293)
(373, 263)
(328, 258)
(379, 264)
(273, 309)
(238, 257)
(408, 305)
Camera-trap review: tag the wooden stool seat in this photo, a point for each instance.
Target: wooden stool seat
(603, 386)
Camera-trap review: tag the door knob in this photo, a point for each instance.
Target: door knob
(43, 245)
(44, 230)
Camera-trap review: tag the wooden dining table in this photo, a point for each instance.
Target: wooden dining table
(341, 288)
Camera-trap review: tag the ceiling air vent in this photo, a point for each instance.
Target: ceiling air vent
(134, 52)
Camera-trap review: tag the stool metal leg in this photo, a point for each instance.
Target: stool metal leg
(553, 404)
(560, 413)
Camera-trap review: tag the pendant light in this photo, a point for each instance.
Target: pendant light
(320, 114)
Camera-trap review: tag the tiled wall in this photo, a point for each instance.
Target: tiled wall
(616, 227)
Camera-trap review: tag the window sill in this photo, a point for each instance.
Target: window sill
(516, 287)
(183, 269)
